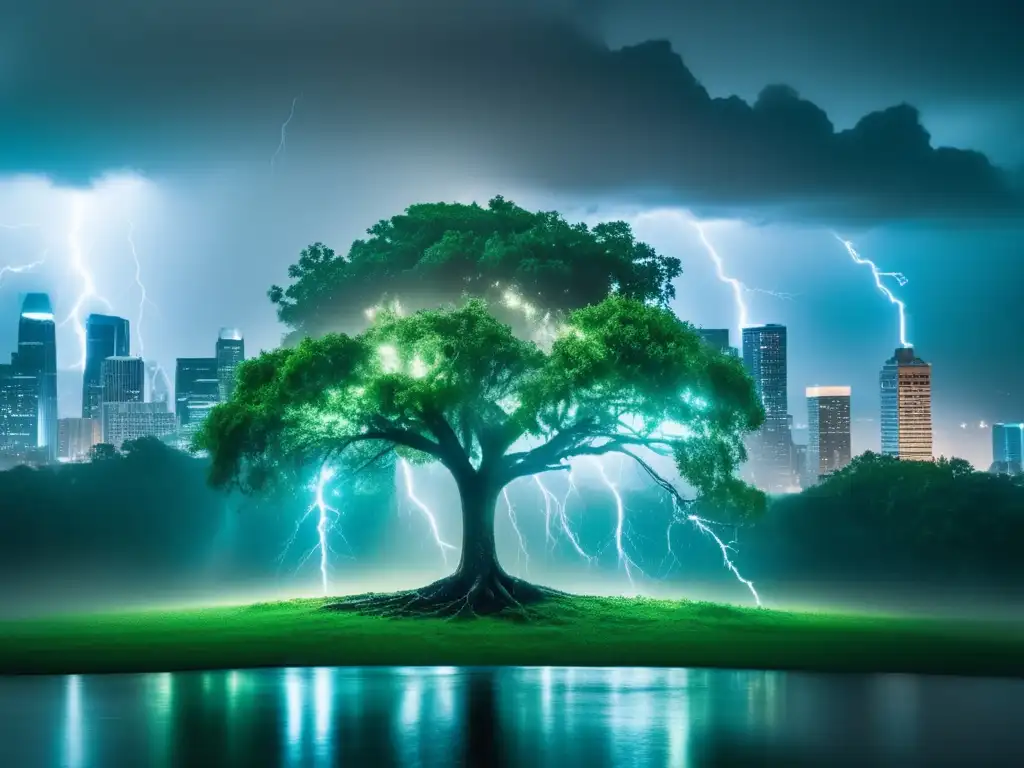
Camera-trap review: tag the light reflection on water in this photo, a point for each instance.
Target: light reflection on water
(520, 716)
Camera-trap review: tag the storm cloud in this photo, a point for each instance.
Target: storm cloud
(523, 94)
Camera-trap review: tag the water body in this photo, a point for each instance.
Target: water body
(532, 717)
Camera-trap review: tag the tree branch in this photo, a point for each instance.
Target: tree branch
(451, 452)
(399, 437)
(658, 479)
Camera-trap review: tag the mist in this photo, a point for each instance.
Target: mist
(145, 530)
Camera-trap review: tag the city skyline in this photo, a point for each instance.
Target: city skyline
(104, 331)
(777, 145)
(123, 396)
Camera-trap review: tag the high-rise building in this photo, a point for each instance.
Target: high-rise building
(75, 437)
(828, 430)
(196, 392)
(19, 412)
(37, 358)
(124, 379)
(906, 398)
(230, 353)
(771, 451)
(131, 420)
(105, 336)
(1008, 448)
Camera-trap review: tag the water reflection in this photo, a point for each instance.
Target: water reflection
(73, 723)
(530, 716)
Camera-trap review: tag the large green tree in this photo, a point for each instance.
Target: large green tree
(436, 253)
(456, 386)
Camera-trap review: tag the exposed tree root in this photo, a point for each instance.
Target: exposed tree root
(459, 596)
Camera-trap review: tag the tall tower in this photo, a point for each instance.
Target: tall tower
(124, 381)
(1008, 448)
(764, 356)
(828, 430)
(230, 352)
(105, 336)
(905, 384)
(196, 392)
(37, 358)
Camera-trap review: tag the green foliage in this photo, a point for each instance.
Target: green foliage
(456, 386)
(440, 252)
(883, 514)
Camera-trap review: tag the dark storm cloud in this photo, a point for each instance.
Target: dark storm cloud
(505, 92)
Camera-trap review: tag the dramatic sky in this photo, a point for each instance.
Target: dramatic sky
(778, 122)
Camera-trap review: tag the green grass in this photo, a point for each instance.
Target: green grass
(585, 631)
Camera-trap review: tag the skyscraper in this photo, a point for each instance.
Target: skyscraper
(905, 383)
(37, 358)
(764, 356)
(105, 336)
(1008, 448)
(828, 430)
(19, 412)
(124, 379)
(230, 352)
(196, 392)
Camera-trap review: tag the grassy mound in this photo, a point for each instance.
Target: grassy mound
(584, 631)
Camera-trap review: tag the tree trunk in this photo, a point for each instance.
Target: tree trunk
(479, 556)
(479, 585)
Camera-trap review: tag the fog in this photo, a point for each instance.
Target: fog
(147, 531)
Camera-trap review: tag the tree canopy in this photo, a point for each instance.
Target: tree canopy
(456, 386)
(436, 253)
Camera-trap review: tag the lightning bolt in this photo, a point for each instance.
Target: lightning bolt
(620, 523)
(143, 296)
(17, 269)
(703, 526)
(549, 502)
(738, 288)
(515, 527)
(878, 275)
(284, 132)
(88, 287)
(410, 492)
(323, 523)
(552, 506)
(324, 526)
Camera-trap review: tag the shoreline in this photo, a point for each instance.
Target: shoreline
(577, 632)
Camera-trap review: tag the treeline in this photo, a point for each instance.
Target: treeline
(145, 506)
(146, 516)
(881, 518)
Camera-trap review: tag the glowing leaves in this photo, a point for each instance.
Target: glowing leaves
(457, 386)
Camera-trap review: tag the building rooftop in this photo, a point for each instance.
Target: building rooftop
(36, 306)
(828, 391)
